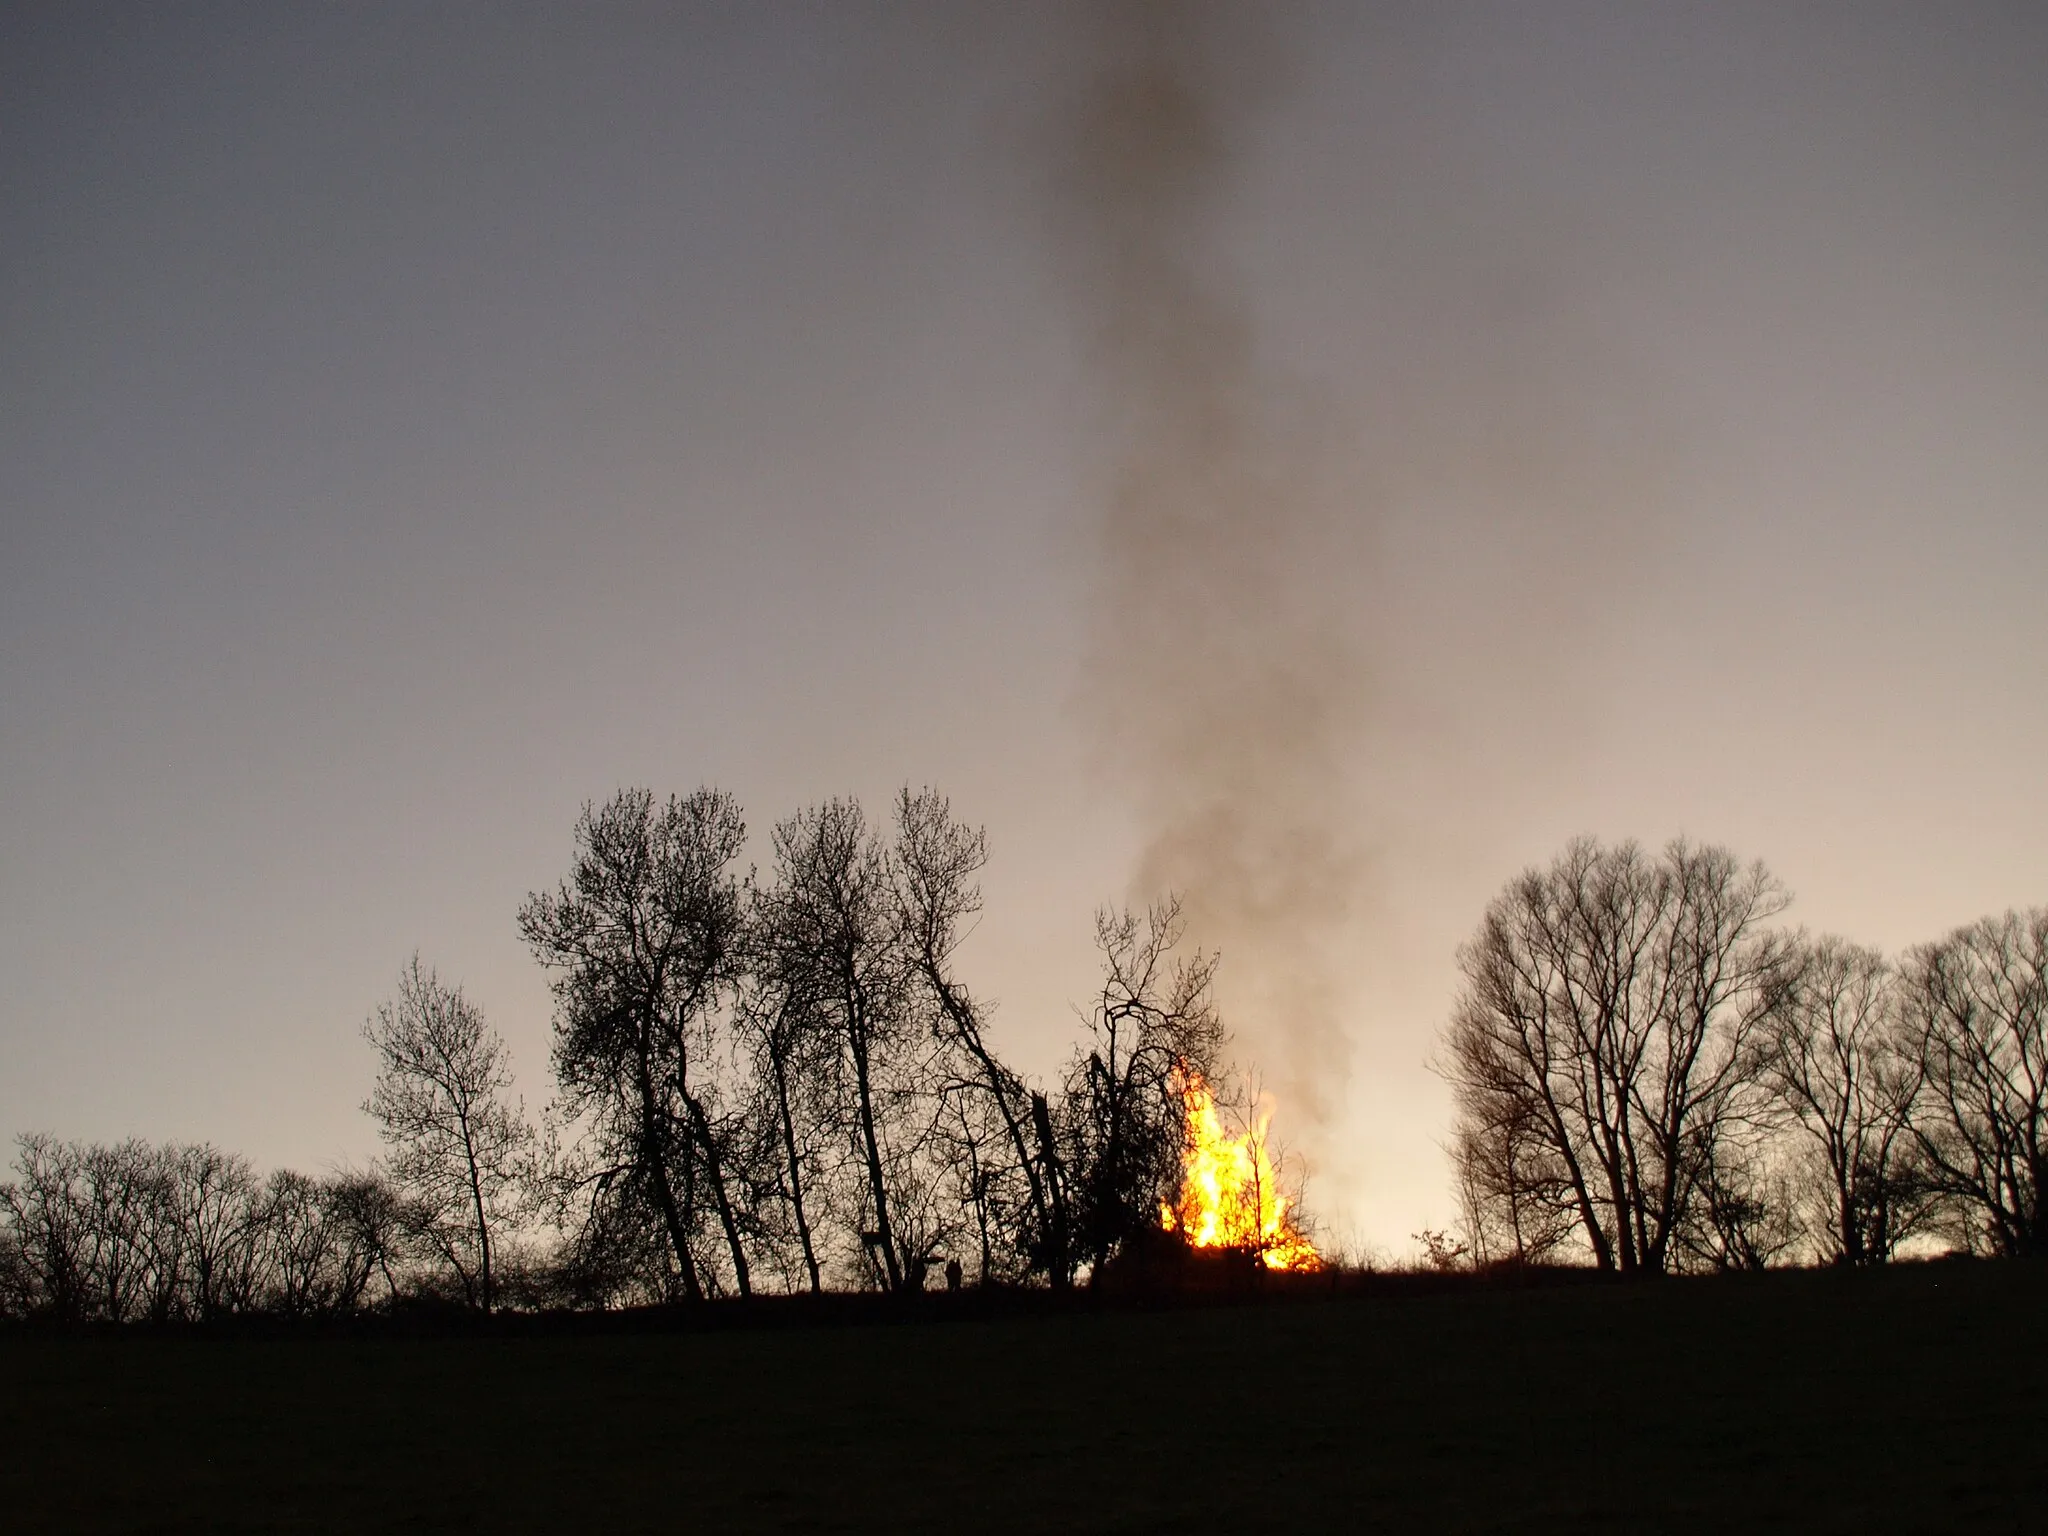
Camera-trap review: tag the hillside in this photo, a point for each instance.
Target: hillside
(1905, 1400)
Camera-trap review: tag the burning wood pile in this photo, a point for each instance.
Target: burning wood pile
(1230, 1196)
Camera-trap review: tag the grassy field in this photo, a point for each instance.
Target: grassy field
(1912, 1400)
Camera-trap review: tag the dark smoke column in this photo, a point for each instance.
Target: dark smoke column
(1219, 684)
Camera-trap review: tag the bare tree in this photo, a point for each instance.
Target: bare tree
(122, 1191)
(1742, 1211)
(830, 934)
(1847, 1076)
(96, 1230)
(1977, 1004)
(1122, 1111)
(367, 1224)
(642, 939)
(302, 1244)
(1609, 1025)
(18, 1290)
(1514, 1195)
(454, 1144)
(134, 1232)
(217, 1208)
(131, 1232)
(934, 865)
(797, 1086)
(48, 1218)
(323, 1241)
(865, 1040)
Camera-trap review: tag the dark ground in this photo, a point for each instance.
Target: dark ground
(1910, 1400)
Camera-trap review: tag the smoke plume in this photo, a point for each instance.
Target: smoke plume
(1219, 683)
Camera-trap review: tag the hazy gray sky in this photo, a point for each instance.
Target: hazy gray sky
(417, 420)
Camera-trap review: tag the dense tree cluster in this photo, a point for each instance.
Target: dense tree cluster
(1652, 1075)
(783, 1082)
(769, 1081)
(135, 1232)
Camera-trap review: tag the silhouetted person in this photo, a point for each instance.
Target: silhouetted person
(953, 1274)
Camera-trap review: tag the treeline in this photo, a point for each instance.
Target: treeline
(761, 1083)
(780, 1083)
(1651, 1075)
(140, 1233)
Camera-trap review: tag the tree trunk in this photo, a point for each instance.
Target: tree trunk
(871, 1145)
(701, 1126)
(1582, 1195)
(1852, 1228)
(483, 1227)
(969, 1031)
(655, 1161)
(796, 1180)
(1059, 1256)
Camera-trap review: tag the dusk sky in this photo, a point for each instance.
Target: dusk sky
(417, 420)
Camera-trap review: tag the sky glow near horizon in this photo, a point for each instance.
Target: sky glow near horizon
(417, 423)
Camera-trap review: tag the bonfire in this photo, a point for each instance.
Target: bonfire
(1230, 1197)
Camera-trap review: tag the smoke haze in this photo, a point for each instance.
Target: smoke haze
(1223, 690)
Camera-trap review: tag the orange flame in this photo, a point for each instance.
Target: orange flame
(1229, 1190)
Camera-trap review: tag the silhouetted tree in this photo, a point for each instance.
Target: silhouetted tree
(642, 938)
(1514, 1195)
(17, 1276)
(1742, 1211)
(1977, 1005)
(1123, 1116)
(126, 1253)
(47, 1216)
(936, 859)
(218, 1211)
(1610, 1017)
(371, 1225)
(134, 1232)
(797, 1087)
(615, 1251)
(455, 1146)
(864, 1040)
(318, 1256)
(1839, 1062)
(830, 939)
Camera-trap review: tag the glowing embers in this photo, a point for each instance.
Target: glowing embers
(1230, 1194)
